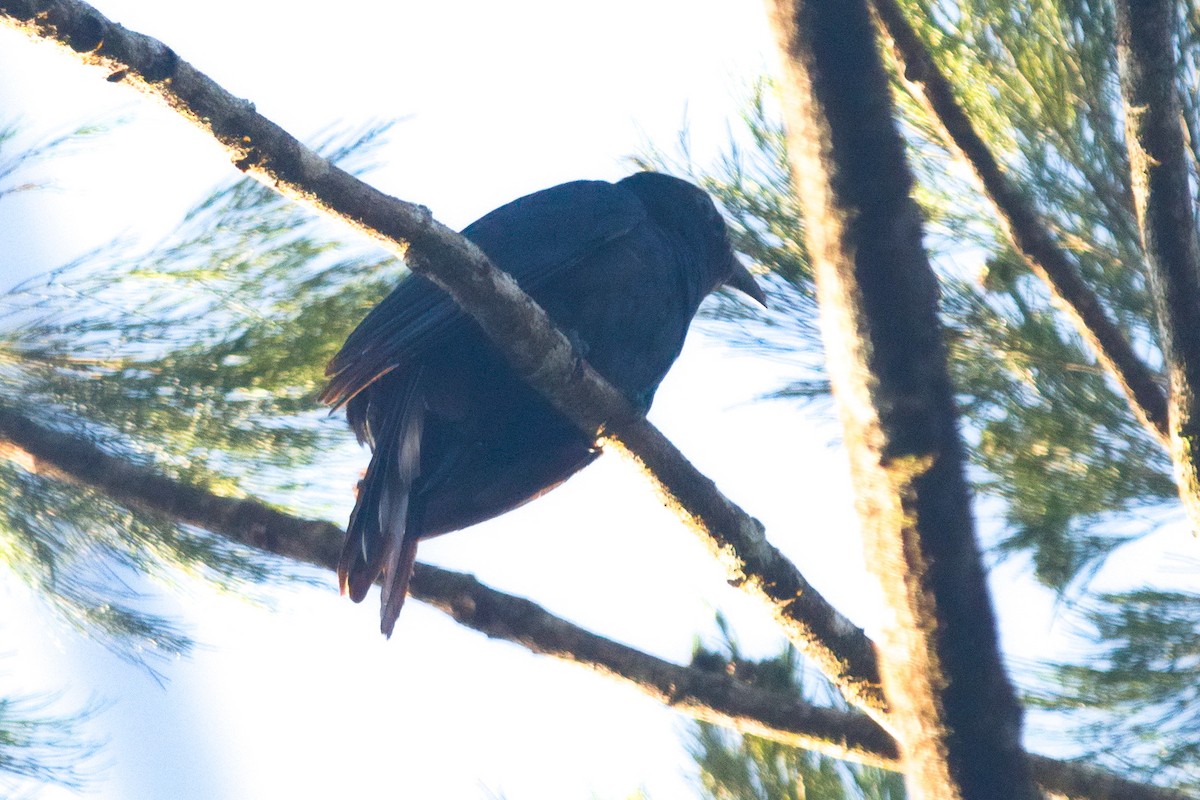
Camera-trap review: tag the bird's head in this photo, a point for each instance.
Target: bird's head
(686, 209)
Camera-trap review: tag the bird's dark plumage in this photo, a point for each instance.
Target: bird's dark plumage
(456, 437)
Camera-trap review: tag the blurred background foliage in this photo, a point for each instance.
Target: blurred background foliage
(732, 766)
(202, 358)
(40, 746)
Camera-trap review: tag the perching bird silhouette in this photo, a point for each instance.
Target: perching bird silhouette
(456, 436)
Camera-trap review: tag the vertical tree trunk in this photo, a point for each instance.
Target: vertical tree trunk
(954, 711)
(1158, 160)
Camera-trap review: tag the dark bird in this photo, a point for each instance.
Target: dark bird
(456, 437)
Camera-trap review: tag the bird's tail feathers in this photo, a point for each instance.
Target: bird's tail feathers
(397, 574)
(378, 541)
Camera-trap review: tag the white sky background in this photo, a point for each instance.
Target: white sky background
(306, 699)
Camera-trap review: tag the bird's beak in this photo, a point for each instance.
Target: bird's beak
(744, 282)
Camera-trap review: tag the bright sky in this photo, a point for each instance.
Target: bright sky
(305, 699)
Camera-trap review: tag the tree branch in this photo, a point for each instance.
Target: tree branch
(719, 699)
(1158, 160)
(712, 697)
(956, 718)
(520, 329)
(708, 696)
(1030, 237)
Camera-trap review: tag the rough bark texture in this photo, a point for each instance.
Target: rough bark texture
(835, 645)
(715, 698)
(1029, 236)
(537, 351)
(954, 712)
(712, 697)
(1158, 159)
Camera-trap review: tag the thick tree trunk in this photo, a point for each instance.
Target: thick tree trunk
(957, 720)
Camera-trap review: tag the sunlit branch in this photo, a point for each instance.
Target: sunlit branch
(954, 711)
(1159, 163)
(1029, 235)
(520, 329)
(720, 699)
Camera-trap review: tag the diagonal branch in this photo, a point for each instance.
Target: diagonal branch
(1159, 163)
(956, 717)
(714, 698)
(709, 696)
(1029, 235)
(520, 329)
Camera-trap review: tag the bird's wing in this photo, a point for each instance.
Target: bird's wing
(532, 238)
